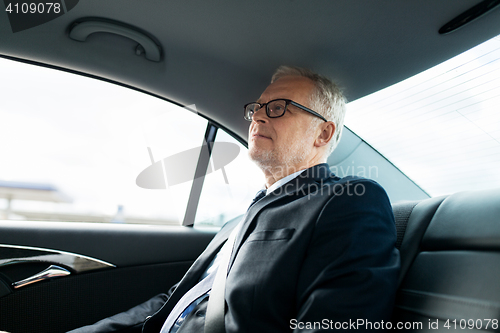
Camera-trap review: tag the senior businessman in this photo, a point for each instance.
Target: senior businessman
(313, 251)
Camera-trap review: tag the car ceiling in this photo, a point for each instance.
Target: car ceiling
(219, 55)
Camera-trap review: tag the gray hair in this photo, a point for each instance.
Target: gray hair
(327, 99)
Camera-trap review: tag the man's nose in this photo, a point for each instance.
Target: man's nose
(260, 115)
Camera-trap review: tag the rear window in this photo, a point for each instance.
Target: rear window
(442, 126)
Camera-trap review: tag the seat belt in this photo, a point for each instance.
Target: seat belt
(216, 307)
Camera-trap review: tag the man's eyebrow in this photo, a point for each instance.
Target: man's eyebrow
(271, 99)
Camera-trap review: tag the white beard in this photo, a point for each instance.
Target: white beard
(285, 160)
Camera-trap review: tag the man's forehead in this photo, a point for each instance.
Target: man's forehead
(296, 88)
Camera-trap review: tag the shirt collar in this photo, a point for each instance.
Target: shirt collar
(282, 181)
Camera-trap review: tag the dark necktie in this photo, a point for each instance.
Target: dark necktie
(260, 195)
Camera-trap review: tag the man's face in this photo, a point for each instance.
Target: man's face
(286, 141)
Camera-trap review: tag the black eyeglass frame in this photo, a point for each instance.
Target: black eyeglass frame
(287, 103)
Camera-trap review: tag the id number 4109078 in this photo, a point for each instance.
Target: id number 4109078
(33, 8)
(471, 324)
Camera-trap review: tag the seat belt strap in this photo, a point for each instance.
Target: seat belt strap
(216, 308)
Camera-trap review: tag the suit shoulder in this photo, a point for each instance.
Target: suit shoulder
(354, 181)
(358, 192)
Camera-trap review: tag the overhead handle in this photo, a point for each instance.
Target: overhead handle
(82, 30)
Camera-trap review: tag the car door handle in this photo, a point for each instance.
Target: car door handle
(51, 272)
(15, 254)
(151, 50)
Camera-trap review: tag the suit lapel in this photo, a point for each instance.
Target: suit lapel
(301, 185)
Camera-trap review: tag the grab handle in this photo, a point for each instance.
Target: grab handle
(82, 30)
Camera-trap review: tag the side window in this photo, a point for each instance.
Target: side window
(228, 191)
(72, 149)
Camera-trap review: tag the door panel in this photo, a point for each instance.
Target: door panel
(119, 244)
(147, 261)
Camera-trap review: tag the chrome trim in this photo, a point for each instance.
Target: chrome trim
(51, 272)
(15, 254)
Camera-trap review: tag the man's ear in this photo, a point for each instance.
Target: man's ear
(327, 130)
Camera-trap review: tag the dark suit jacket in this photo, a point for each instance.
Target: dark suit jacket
(315, 252)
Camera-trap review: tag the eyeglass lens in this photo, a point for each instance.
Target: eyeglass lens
(276, 108)
(273, 109)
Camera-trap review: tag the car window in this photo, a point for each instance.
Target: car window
(229, 190)
(440, 127)
(73, 148)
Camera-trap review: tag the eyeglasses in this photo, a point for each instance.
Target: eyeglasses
(275, 108)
